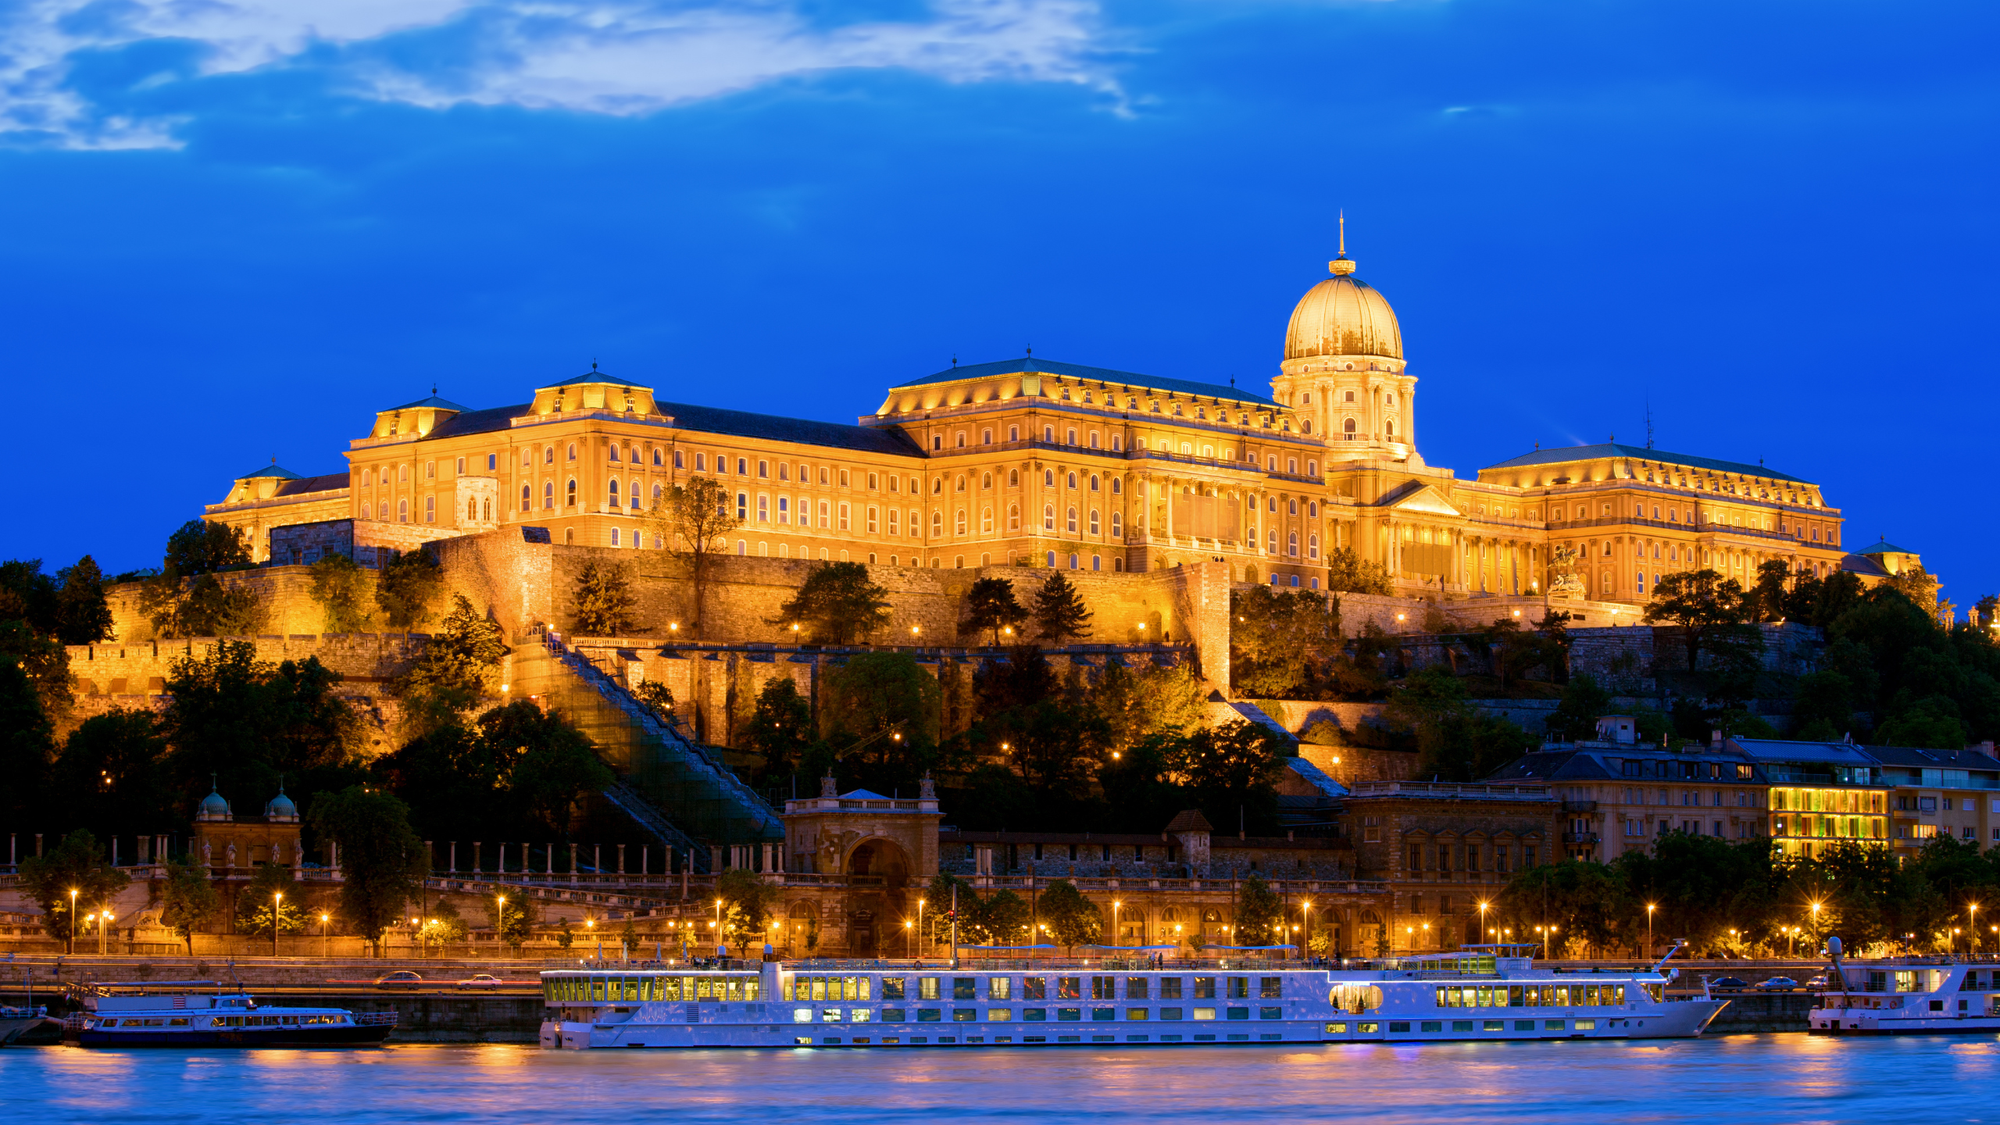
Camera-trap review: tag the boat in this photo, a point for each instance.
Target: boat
(17, 1022)
(1127, 997)
(1907, 996)
(179, 1014)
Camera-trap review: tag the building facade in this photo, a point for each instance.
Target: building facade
(1032, 462)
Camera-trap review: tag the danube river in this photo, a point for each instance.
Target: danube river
(1746, 1078)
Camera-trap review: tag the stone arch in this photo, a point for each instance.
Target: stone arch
(880, 860)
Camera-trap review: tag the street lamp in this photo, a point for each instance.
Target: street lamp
(1117, 935)
(501, 900)
(277, 901)
(1972, 924)
(1483, 905)
(103, 922)
(324, 946)
(1305, 912)
(72, 921)
(909, 935)
(717, 924)
(1650, 907)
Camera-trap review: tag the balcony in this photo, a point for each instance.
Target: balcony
(1580, 838)
(1579, 806)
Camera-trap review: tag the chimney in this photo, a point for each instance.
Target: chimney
(1715, 739)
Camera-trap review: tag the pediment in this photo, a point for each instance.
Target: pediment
(1416, 496)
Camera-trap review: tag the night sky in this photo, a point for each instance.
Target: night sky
(234, 231)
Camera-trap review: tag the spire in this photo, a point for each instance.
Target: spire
(1341, 266)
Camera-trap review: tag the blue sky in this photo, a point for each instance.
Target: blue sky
(233, 231)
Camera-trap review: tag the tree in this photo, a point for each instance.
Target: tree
(112, 774)
(254, 724)
(1702, 602)
(836, 604)
(880, 709)
(83, 617)
(657, 697)
(1348, 572)
(27, 742)
(512, 918)
(1280, 640)
(602, 600)
(1059, 611)
(382, 862)
(188, 901)
(1428, 701)
(76, 864)
(555, 763)
(1072, 919)
(259, 907)
(43, 661)
(1584, 700)
(463, 655)
(201, 606)
(781, 726)
(694, 521)
(445, 925)
(990, 607)
(1767, 597)
(1055, 746)
(336, 586)
(202, 546)
(1232, 772)
(407, 587)
(746, 907)
(28, 595)
(1260, 915)
(1137, 702)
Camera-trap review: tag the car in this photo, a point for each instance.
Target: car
(1728, 984)
(401, 978)
(1778, 984)
(1820, 981)
(480, 980)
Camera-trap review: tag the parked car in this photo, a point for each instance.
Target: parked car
(401, 978)
(1728, 984)
(481, 980)
(1778, 984)
(1819, 982)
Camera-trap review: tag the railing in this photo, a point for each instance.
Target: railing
(1439, 789)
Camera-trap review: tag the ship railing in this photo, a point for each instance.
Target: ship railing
(1053, 964)
(374, 1019)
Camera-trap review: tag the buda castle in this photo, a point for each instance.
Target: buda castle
(1032, 462)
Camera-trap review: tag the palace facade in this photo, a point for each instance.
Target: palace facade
(1033, 462)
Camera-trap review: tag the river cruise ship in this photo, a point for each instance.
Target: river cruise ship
(1124, 1000)
(1908, 996)
(175, 1015)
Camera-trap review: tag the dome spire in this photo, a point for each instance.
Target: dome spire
(1341, 266)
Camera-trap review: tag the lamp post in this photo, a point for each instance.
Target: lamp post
(501, 926)
(72, 921)
(277, 901)
(1483, 905)
(920, 913)
(325, 948)
(718, 920)
(1117, 935)
(1650, 907)
(1972, 924)
(103, 923)
(1305, 914)
(909, 936)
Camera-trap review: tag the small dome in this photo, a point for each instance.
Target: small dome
(214, 805)
(281, 805)
(1343, 316)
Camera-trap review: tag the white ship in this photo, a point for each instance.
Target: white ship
(1908, 996)
(1128, 998)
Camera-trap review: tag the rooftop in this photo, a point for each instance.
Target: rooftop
(1884, 547)
(711, 420)
(1614, 449)
(431, 403)
(1029, 365)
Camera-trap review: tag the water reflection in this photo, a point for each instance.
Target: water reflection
(1762, 1078)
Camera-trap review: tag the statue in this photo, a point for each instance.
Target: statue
(1562, 561)
(207, 855)
(230, 856)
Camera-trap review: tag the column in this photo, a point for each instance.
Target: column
(621, 859)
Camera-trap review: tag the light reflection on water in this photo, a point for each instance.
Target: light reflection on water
(1747, 1078)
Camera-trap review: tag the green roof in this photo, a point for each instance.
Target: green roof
(1614, 449)
(1029, 365)
(271, 470)
(431, 403)
(1886, 548)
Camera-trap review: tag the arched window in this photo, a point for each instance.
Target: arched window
(548, 494)
(937, 523)
(1072, 562)
(959, 523)
(572, 451)
(657, 458)
(1048, 433)
(1071, 436)
(844, 517)
(784, 509)
(1072, 480)
(1312, 545)
(895, 522)
(1071, 524)
(1271, 543)
(614, 494)
(486, 510)
(402, 511)
(1094, 528)
(527, 496)
(1117, 525)
(742, 507)
(614, 460)
(916, 523)
(1117, 487)
(985, 481)
(614, 537)
(1094, 440)
(1117, 443)
(1013, 517)
(873, 516)
(1312, 468)
(1048, 478)
(986, 521)
(548, 455)
(1013, 478)
(366, 510)
(1049, 519)
(961, 482)
(1097, 562)
(961, 439)
(1347, 425)
(1312, 508)
(1292, 544)
(1013, 433)
(1306, 426)
(403, 474)
(1093, 482)
(986, 437)
(1389, 430)
(571, 501)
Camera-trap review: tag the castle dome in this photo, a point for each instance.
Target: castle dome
(213, 807)
(1343, 316)
(281, 805)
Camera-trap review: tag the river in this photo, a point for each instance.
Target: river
(1785, 1079)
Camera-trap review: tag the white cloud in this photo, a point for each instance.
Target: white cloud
(600, 56)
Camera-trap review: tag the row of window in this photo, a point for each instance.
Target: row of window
(1100, 987)
(1028, 1015)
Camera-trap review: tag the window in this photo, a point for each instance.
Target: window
(843, 517)
(1071, 525)
(527, 496)
(895, 525)
(959, 523)
(743, 507)
(1093, 522)
(1072, 480)
(1013, 433)
(402, 511)
(430, 509)
(937, 523)
(570, 499)
(1048, 517)
(1117, 525)
(872, 519)
(548, 494)
(1013, 517)
(614, 494)
(742, 466)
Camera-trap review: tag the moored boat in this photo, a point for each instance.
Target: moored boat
(1907, 996)
(1481, 993)
(177, 1014)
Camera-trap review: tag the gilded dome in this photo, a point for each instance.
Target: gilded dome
(1343, 316)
